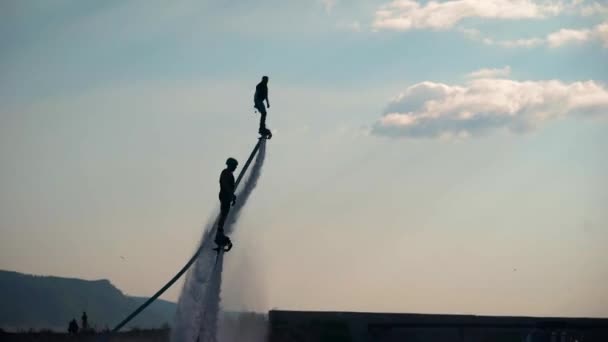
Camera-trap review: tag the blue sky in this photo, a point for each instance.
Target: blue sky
(428, 156)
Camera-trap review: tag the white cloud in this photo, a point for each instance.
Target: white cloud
(403, 15)
(476, 35)
(491, 73)
(601, 32)
(565, 36)
(553, 40)
(328, 4)
(593, 9)
(529, 42)
(437, 110)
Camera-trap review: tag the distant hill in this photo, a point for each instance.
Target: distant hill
(44, 302)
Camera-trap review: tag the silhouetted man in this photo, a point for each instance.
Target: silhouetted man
(73, 327)
(85, 321)
(261, 95)
(227, 199)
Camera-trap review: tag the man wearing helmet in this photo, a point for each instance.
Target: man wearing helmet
(261, 94)
(227, 199)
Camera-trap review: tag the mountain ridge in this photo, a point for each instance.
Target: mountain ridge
(30, 301)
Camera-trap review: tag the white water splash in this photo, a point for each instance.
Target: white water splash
(198, 306)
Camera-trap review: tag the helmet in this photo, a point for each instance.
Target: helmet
(265, 78)
(231, 161)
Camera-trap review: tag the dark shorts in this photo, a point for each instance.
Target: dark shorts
(259, 105)
(225, 206)
(226, 202)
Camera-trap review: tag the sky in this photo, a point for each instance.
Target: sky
(427, 156)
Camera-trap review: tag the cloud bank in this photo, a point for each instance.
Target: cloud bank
(594, 8)
(406, 15)
(403, 15)
(555, 39)
(482, 105)
(490, 73)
